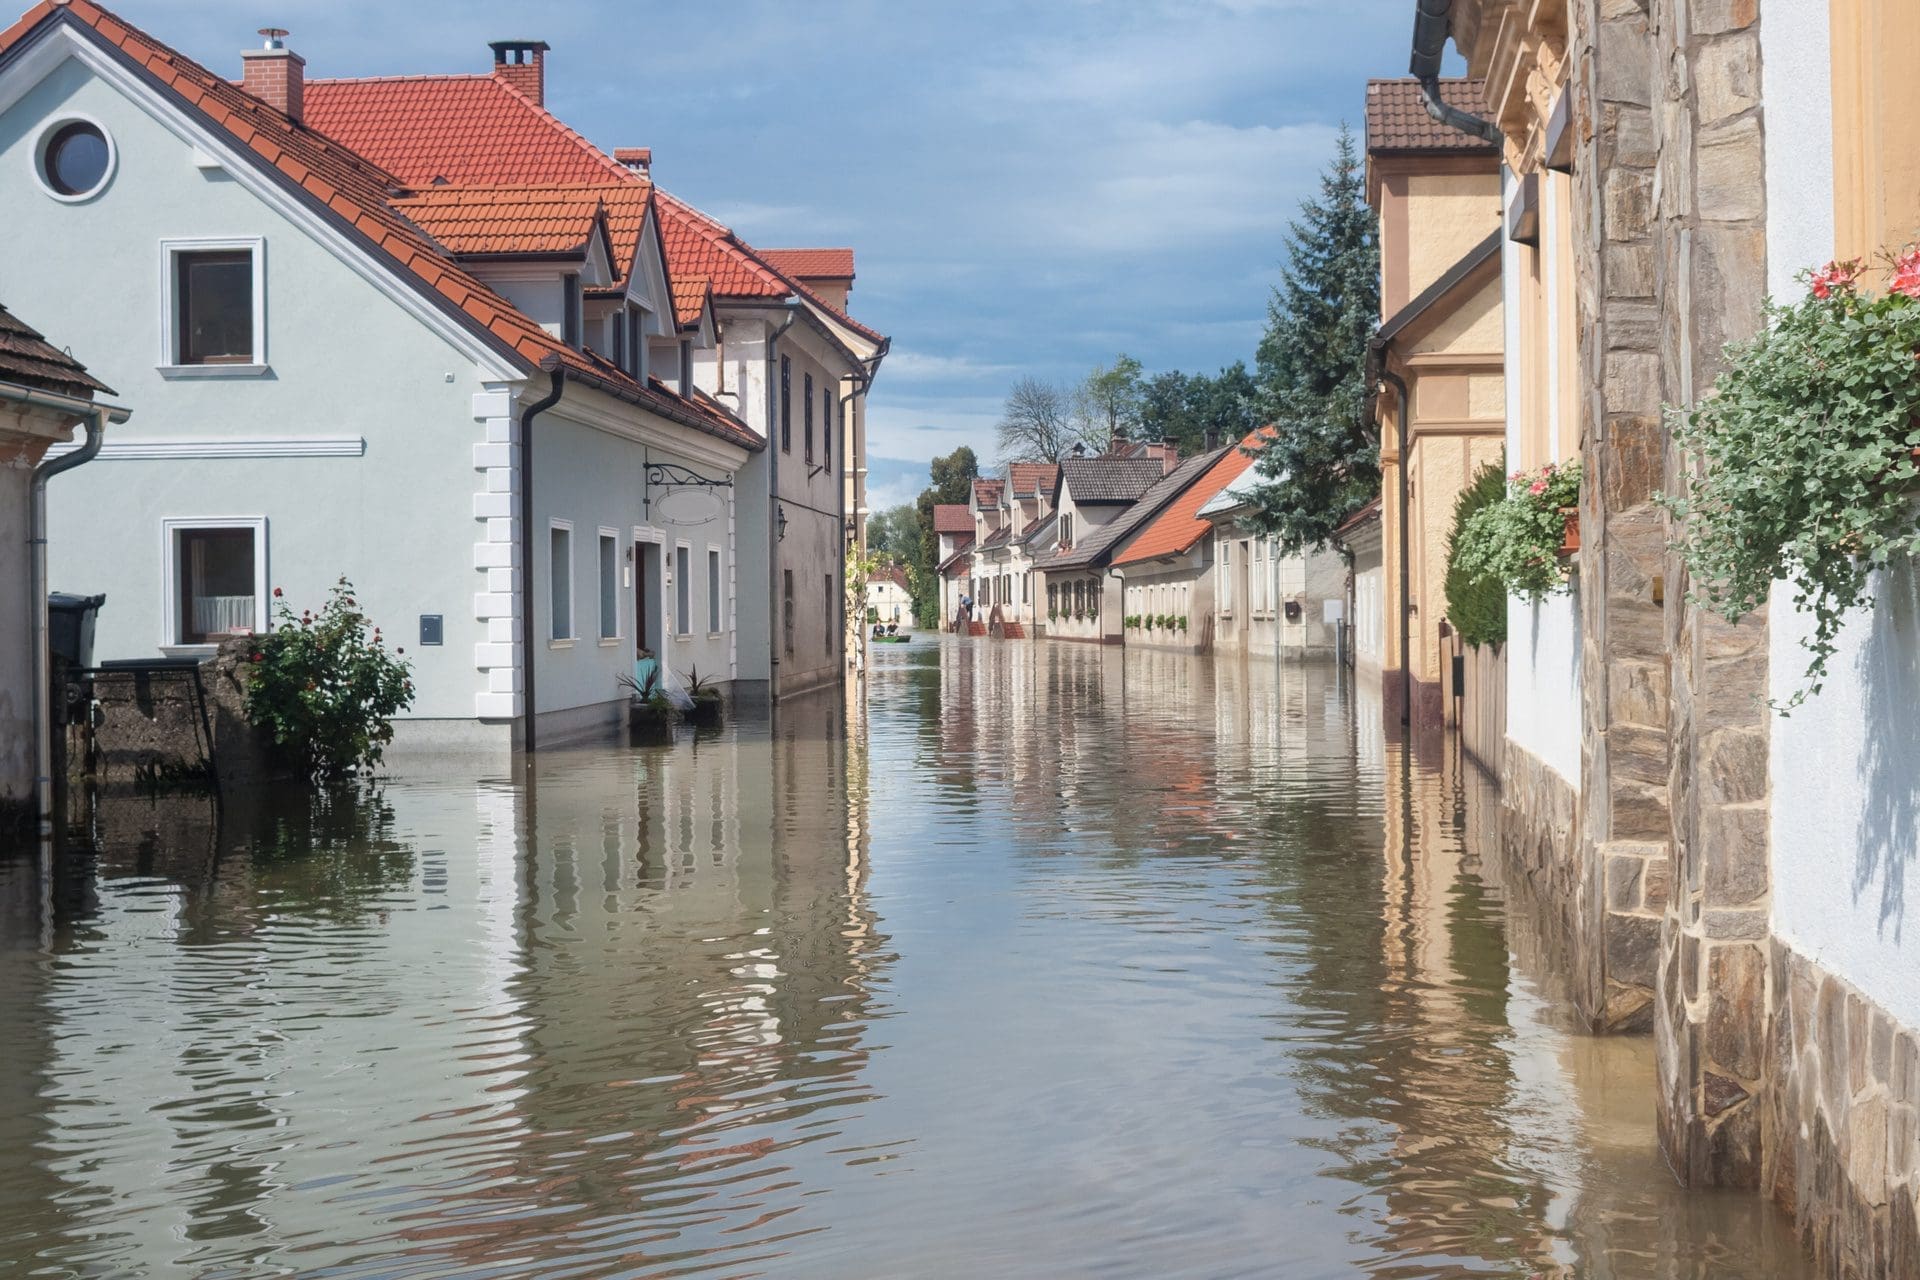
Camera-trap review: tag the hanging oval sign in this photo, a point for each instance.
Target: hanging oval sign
(688, 506)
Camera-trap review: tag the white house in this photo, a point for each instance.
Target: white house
(953, 528)
(1266, 602)
(1100, 501)
(462, 420)
(44, 394)
(888, 600)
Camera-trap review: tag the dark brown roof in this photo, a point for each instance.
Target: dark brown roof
(1397, 117)
(1097, 547)
(1108, 481)
(29, 360)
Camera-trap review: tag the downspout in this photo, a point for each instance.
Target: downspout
(1376, 356)
(777, 622)
(527, 415)
(1432, 23)
(97, 417)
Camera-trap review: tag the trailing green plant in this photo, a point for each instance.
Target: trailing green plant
(1804, 455)
(326, 687)
(1180, 623)
(1516, 541)
(1476, 601)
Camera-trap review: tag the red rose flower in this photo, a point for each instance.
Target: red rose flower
(277, 593)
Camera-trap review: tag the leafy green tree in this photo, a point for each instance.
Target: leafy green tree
(1187, 408)
(894, 532)
(1323, 462)
(953, 478)
(1476, 599)
(1109, 403)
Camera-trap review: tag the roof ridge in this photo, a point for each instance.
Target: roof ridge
(395, 79)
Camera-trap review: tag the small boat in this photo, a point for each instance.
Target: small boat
(883, 638)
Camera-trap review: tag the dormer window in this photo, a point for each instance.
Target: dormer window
(570, 309)
(1066, 531)
(636, 355)
(617, 340)
(686, 367)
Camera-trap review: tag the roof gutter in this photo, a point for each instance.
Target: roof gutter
(96, 416)
(1432, 24)
(527, 414)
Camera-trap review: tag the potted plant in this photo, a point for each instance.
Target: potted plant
(650, 713)
(1520, 540)
(1805, 466)
(708, 705)
(1180, 623)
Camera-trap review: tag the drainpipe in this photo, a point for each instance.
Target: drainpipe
(776, 629)
(1406, 578)
(1432, 23)
(97, 417)
(527, 414)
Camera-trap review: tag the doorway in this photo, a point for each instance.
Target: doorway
(646, 605)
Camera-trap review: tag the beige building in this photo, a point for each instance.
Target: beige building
(1439, 350)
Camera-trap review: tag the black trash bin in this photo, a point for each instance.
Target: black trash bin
(70, 620)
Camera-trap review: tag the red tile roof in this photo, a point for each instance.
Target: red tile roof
(952, 517)
(1398, 120)
(528, 219)
(1032, 478)
(466, 130)
(698, 245)
(1179, 527)
(690, 299)
(355, 192)
(986, 494)
(1358, 520)
(811, 264)
(28, 360)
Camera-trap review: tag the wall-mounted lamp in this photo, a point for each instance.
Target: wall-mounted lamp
(780, 516)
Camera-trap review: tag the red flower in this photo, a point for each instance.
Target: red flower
(1537, 488)
(277, 593)
(1906, 274)
(1835, 275)
(259, 657)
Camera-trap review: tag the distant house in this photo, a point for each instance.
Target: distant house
(887, 597)
(1366, 587)
(1265, 601)
(44, 394)
(953, 528)
(1004, 559)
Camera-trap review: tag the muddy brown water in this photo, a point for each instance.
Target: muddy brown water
(1063, 963)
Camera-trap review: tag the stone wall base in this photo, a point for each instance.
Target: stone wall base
(1540, 842)
(1842, 1144)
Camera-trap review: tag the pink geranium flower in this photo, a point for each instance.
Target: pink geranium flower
(1835, 276)
(1537, 488)
(1906, 274)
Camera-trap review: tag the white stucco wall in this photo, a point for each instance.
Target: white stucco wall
(1845, 821)
(1543, 638)
(398, 519)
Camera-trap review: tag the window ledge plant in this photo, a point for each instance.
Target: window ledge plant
(1804, 455)
(1518, 541)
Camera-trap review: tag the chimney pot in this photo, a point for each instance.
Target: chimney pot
(638, 159)
(276, 74)
(522, 64)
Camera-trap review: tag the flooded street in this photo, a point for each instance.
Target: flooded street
(1070, 963)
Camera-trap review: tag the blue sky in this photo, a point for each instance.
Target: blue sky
(1030, 186)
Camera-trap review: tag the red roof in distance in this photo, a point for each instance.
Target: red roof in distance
(811, 264)
(952, 517)
(1175, 530)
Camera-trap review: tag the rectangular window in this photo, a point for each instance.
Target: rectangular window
(829, 611)
(636, 344)
(560, 580)
(786, 405)
(686, 368)
(213, 307)
(826, 426)
(570, 304)
(609, 586)
(617, 342)
(713, 591)
(808, 402)
(683, 590)
(1226, 576)
(217, 574)
(786, 609)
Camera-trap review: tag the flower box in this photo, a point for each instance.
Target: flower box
(1570, 540)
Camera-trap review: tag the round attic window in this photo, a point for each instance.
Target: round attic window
(75, 159)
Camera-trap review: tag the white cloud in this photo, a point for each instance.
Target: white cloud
(919, 366)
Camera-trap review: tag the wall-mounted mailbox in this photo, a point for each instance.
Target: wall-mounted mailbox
(432, 629)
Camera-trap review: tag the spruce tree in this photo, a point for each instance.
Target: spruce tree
(1323, 462)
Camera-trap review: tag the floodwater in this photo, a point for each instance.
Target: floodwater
(1069, 963)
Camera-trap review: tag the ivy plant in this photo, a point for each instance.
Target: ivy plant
(1516, 541)
(1804, 466)
(1476, 601)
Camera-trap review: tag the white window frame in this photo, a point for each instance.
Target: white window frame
(562, 641)
(170, 250)
(619, 581)
(171, 527)
(717, 591)
(682, 589)
(45, 138)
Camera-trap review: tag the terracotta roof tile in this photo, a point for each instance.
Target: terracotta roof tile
(690, 296)
(1397, 117)
(952, 517)
(1031, 479)
(986, 494)
(528, 219)
(357, 189)
(1095, 547)
(811, 264)
(1176, 529)
(28, 360)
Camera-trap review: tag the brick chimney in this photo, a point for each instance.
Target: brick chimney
(275, 74)
(638, 159)
(522, 64)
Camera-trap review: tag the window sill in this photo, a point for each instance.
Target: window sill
(607, 642)
(189, 650)
(716, 635)
(171, 371)
(681, 637)
(560, 644)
